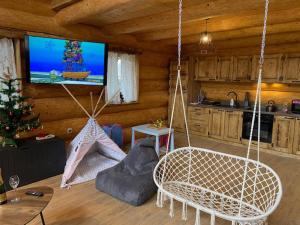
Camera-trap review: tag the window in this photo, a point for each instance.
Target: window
(122, 78)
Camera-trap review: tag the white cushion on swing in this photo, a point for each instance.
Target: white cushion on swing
(215, 183)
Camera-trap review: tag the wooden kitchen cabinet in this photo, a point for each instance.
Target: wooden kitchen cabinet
(283, 134)
(198, 120)
(242, 68)
(233, 123)
(224, 68)
(296, 144)
(205, 68)
(216, 123)
(291, 69)
(272, 68)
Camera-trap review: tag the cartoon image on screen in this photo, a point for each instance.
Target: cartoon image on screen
(66, 61)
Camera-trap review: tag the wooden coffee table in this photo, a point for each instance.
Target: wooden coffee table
(27, 208)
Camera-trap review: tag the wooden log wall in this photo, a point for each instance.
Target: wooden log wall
(58, 111)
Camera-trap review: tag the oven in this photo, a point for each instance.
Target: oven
(266, 127)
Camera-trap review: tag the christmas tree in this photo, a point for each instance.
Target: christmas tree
(15, 113)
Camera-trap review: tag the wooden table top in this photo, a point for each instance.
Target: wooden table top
(26, 209)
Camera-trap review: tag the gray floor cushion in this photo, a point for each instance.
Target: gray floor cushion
(131, 180)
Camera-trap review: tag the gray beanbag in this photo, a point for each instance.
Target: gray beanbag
(131, 180)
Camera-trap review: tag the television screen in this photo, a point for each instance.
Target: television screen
(61, 61)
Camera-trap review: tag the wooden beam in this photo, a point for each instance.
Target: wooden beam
(43, 25)
(239, 33)
(225, 23)
(201, 11)
(79, 11)
(60, 4)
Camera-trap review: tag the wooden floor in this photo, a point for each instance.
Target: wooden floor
(84, 205)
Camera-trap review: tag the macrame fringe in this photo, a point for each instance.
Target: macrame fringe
(233, 223)
(171, 208)
(159, 199)
(184, 211)
(212, 219)
(198, 218)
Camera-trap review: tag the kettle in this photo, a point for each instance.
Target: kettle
(271, 106)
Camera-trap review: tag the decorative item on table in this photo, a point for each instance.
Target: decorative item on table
(14, 181)
(122, 100)
(271, 107)
(15, 112)
(201, 96)
(43, 136)
(3, 197)
(158, 124)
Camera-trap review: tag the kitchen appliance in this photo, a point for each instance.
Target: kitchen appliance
(266, 126)
(271, 106)
(295, 106)
(246, 103)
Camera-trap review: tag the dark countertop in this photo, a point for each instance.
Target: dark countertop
(278, 113)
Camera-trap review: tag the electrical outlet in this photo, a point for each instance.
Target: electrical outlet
(69, 130)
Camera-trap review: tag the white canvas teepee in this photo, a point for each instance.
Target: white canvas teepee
(90, 152)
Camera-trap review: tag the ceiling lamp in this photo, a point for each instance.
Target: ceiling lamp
(205, 37)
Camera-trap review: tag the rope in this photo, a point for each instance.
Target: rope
(257, 102)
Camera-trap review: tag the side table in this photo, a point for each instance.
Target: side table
(146, 129)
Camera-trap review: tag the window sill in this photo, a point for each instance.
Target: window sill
(119, 104)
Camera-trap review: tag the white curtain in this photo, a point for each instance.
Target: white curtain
(129, 77)
(7, 58)
(113, 84)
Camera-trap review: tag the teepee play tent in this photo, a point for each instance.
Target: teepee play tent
(91, 151)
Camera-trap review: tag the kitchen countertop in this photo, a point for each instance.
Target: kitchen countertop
(228, 108)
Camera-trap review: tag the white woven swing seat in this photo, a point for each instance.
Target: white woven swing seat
(215, 184)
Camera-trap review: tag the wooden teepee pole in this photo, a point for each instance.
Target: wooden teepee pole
(100, 96)
(69, 92)
(100, 110)
(92, 103)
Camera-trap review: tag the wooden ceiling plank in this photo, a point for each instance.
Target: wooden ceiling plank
(239, 33)
(224, 23)
(57, 5)
(202, 10)
(79, 11)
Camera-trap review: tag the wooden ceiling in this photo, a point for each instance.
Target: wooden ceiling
(232, 23)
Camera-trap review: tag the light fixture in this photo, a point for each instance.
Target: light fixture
(205, 37)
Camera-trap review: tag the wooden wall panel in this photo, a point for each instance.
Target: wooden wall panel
(58, 111)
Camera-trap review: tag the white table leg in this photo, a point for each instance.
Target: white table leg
(132, 137)
(157, 144)
(172, 142)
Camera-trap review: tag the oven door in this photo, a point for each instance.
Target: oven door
(266, 127)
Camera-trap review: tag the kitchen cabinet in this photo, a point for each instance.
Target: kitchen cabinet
(198, 120)
(272, 68)
(205, 68)
(291, 69)
(242, 67)
(233, 123)
(216, 123)
(224, 68)
(296, 144)
(283, 133)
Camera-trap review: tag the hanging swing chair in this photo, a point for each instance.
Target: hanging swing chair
(237, 189)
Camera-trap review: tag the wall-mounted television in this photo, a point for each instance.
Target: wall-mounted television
(63, 61)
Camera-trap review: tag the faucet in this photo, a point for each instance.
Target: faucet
(233, 103)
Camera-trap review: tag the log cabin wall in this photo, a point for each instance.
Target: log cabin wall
(58, 111)
(56, 108)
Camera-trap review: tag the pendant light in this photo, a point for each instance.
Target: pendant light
(205, 37)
